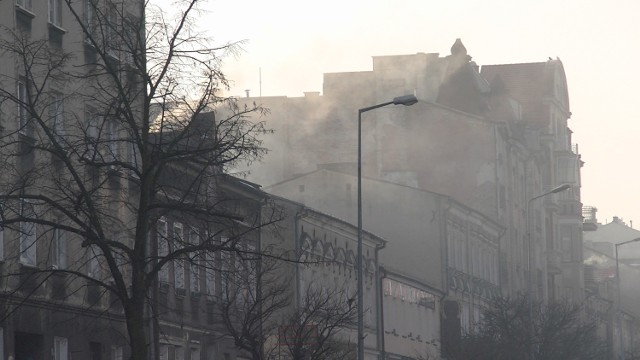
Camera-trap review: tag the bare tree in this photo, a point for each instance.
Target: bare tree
(559, 332)
(252, 298)
(270, 324)
(320, 327)
(111, 137)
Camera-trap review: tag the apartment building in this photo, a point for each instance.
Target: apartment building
(92, 174)
(322, 278)
(493, 137)
(441, 256)
(195, 294)
(51, 304)
(610, 259)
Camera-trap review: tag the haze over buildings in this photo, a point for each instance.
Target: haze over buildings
(292, 44)
(473, 192)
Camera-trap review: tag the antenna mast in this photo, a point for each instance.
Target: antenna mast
(260, 80)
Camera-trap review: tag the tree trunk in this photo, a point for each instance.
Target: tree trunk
(136, 329)
(136, 325)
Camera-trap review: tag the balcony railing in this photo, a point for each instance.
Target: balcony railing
(589, 214)
(574, 148)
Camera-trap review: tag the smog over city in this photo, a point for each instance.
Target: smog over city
(316, 93)
(473, 69)
(358, 180)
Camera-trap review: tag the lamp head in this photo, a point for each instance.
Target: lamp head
(406, 100)
(560, 188)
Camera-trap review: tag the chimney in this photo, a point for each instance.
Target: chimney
(247, 92)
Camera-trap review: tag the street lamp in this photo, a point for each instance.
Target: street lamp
(406, 100)
(529, 269)
(621, 355)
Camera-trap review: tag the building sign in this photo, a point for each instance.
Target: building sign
(408, 293)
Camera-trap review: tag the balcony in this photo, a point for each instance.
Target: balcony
(589, 218)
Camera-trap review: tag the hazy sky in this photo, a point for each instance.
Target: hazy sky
(295, 42)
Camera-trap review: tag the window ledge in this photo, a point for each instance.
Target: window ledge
(27, 136)
(57, 28)
(88, 43)
(23, 10)
(29, 267)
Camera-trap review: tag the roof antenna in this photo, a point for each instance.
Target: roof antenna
(260, 80)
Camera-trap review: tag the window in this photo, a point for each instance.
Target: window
(474, 260)
(93, 262)
(91, 122)
(113, 138)
(90, 17)
(95, 351)
(116, 352)
(178, 269)
(28, 236)
(464, 257)
(59, 249)
(565, 238)
(252, 272)
(194, 270)
(56, 116)
(164, 352)
(60, 348)
(111, 30)
(210, 274)
(163, 249)
(464, 317)
(451, 252)
(179, 353)
(1, 245)
(25, 4)
(485, 264)
(495, 268)
(120, 256)
(135, 158)
(225, 268)
(55, 12)
(23, 116)
(195, 354)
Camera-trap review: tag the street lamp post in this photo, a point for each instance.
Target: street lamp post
(529, 268)
(619, 312)
(406, 100)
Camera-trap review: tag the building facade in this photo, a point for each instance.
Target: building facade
(410, 318)
(201, 300)
(322, 278)
(437, 248)
(611, 272)
(50, 306)
(491, 137)
(93, 243)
